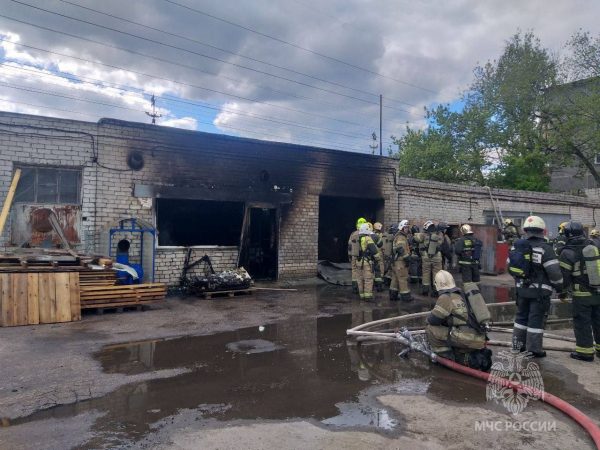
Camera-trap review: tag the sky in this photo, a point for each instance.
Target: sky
(302, 71)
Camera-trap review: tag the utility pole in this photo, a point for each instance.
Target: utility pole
(373, 146)
(153, 114)
(380, 124)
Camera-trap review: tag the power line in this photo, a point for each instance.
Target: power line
(216, 108)
(298, 46)
(287, 108)
(39, 91)
(184, 50)
(207, 105)
(168, 33)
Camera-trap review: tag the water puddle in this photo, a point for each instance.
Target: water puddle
(303, 368)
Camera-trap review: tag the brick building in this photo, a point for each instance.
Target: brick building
(276, 208)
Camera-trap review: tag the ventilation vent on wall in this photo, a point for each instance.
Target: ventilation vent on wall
(135, 160)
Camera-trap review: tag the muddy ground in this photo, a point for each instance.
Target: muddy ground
(271, 370)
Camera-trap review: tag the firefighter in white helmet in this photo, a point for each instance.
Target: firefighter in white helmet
(400, 260)
(468, 250)
(429, 241)
(536, 269)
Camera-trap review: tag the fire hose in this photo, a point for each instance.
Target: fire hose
(405, 337)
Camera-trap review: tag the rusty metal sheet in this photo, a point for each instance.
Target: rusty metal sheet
(488, 234)
(31, 225)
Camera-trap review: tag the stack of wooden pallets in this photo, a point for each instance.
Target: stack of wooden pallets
(118, 296)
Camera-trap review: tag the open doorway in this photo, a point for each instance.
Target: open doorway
(337, 220)
(258, 253)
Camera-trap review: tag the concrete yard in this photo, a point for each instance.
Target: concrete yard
(267, 371)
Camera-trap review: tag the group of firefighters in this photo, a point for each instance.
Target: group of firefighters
(406, 254)
(570, 266)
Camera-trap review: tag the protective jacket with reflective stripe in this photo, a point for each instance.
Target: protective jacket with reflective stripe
(573, 269)
(546, 271)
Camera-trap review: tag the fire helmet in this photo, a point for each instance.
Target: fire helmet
(444, 280)
(534, 223)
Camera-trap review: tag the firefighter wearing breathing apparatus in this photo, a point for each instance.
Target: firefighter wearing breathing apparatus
(353, 252)
(536, 270)
(429, 243)
(457, 325)
(378, 238)
(468, 250)
(368, 256)
(400, 259)
(415, 271)
(510, 231)
(580, 265)
(560, 240)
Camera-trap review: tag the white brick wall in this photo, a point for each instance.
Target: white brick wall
(195, 160)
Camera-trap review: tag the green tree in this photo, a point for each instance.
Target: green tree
(571, 114)
(496, 138)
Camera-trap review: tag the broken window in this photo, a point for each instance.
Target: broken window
(49, 185)
(198, 222)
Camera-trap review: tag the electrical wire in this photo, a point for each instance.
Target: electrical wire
(158, 77)
(216, 108)
(195, 41)
(28, 89)
(299, 46)
(176, 48)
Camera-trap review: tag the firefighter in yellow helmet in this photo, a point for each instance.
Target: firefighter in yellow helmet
(430, 242)
(400, 261)
(595, 237)
(377, 237)
(353, 252)
(560, 240)
(368, 257)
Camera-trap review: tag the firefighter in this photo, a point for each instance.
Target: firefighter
(414, 265)
(446, 247)
(581, 273)
(561, 239)
(510, 231)
(388, 241)
(431, 257)
(400, 259)
(536, 269)
(353, 251)
(595, 237)
(378, 238)
(367, 259)
(468, 250)
(451, 332)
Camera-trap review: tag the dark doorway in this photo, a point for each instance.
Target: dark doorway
(337, 220)
(259, 243)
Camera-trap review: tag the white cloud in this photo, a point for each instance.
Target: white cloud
(187, 123)
(433, 45)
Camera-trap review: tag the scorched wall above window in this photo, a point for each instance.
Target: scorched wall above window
(187, 223)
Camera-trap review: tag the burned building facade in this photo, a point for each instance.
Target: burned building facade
(273, 208)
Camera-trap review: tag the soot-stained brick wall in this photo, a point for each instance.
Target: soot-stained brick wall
(291, 178)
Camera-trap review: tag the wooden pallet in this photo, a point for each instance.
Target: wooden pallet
(33, 298)
(231, 293)
(97, 278)
(121, 295)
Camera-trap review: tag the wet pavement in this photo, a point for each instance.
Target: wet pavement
(304, 367)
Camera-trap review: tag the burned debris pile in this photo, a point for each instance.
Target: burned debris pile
(199, 277)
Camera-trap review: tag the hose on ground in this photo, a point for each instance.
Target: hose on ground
(575, 414)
